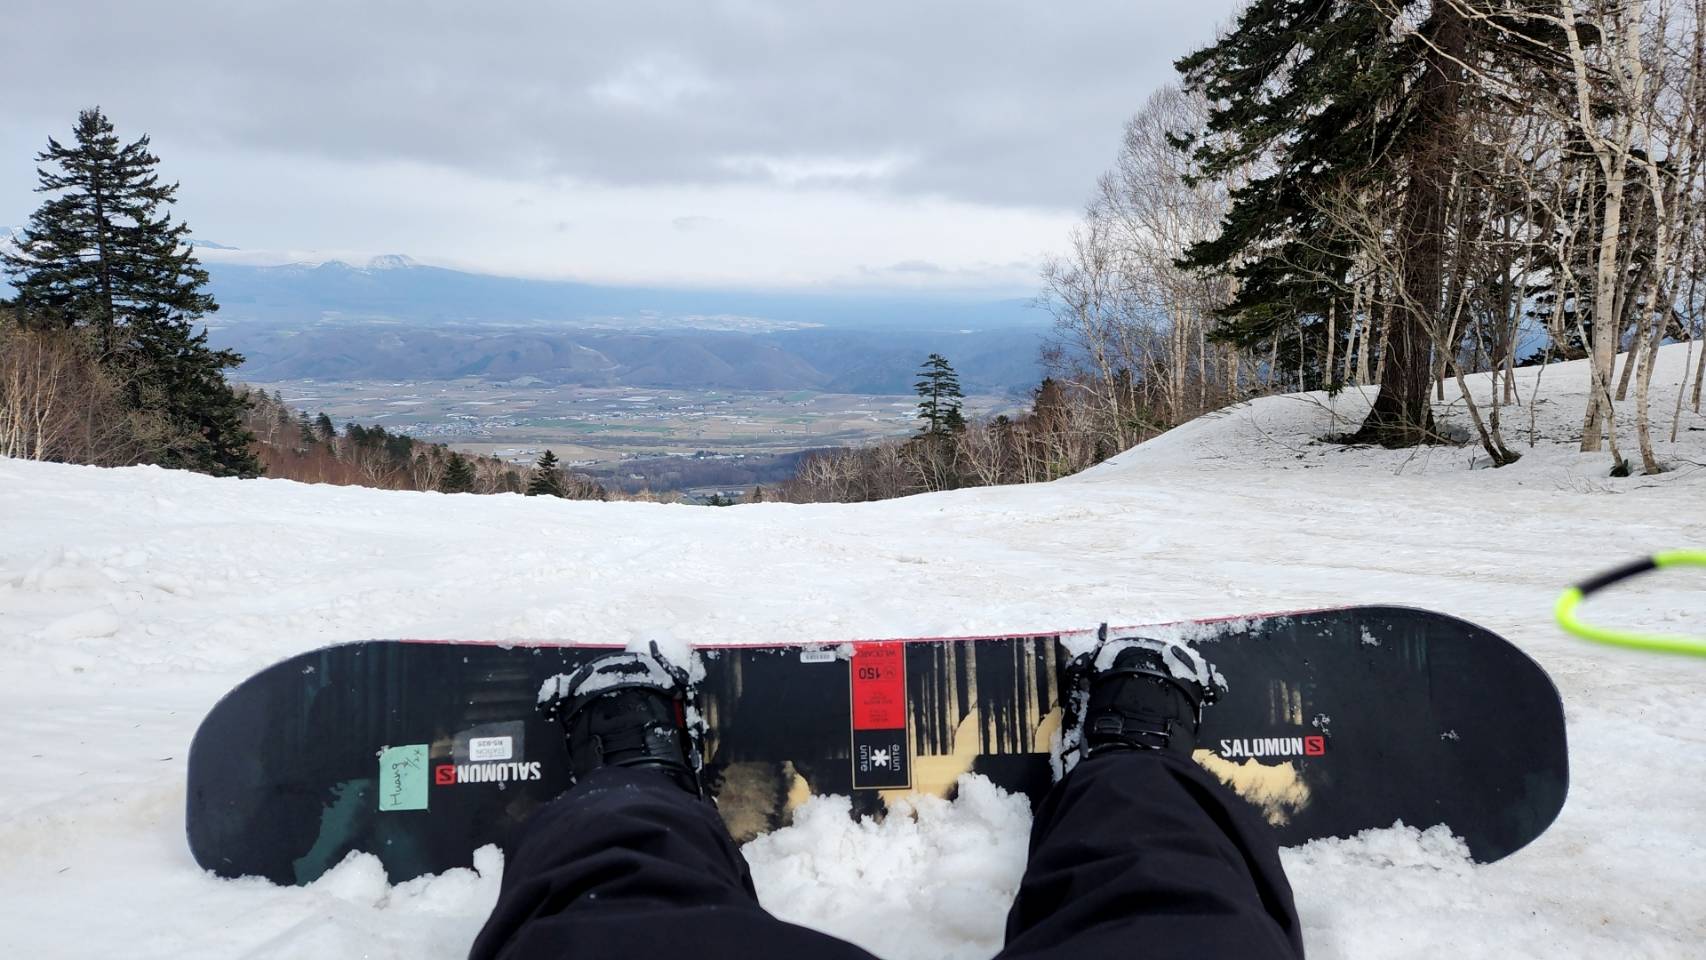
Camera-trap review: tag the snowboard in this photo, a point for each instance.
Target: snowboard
(419, 752)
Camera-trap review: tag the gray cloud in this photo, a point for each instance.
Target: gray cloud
(1016, 103)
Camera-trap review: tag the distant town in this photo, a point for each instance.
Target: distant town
(693, 441)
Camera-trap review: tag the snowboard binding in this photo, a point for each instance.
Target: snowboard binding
(628, 709)
(1134, 693)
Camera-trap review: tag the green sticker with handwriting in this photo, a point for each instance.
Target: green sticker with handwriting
(403, 778)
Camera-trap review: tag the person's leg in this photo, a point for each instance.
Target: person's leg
(628, 864)
(1142, 853)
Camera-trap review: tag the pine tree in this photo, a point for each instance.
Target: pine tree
(547, 479)
(458, 475)
(939, 396)
(1311, 87)
(172, 373)
(1325, 93)
(103, 252)
(306, 427)
(1344, 97)
(323, 424)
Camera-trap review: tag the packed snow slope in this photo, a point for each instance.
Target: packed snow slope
(131, 599)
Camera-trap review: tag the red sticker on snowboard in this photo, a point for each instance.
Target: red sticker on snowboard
(880, 755)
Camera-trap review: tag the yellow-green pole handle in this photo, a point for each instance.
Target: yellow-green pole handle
(1658, 642)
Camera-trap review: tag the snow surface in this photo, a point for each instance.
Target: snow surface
(130, 600)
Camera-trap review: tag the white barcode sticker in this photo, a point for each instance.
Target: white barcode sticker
(481, 749)
(817, 656)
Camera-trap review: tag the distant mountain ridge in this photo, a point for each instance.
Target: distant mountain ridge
(819, 359)
(395, 288)
(394, 318)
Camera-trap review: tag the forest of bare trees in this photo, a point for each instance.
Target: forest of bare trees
(290, 445)
(58, 403)
(1134, 329)
(1058, 436)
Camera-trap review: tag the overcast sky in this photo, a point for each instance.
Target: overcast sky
(943, 145)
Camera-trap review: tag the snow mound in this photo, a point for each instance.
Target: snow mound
(1291, 430)
(932, 870)
(360, 879)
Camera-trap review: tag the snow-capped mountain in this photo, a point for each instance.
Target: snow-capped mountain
(384, 261)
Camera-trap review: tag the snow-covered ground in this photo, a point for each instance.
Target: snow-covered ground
(131, 599)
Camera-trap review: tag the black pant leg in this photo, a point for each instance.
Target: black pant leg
(1145, 854)
(627, 864)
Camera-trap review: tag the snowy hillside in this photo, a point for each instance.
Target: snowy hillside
(131, 599)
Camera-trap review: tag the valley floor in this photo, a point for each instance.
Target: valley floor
(130, 600)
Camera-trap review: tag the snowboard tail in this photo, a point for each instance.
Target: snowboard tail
(1333, 721)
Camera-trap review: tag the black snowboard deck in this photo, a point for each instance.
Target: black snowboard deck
(420, 752)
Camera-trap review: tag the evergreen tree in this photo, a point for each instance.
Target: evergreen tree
(399, 447)
(328, 430)
(1323, 92)
(103, 252)
(306, 427)
(173, 374)
(547, 479)
(1343, 97)
(458, 475)
(939, 398)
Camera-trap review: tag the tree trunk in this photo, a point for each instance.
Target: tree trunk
(1612, 156)
(1699, 374)
(1634, 344)
(1358, 337)
(1373, 324)
(1332, 342)
(1402, 415)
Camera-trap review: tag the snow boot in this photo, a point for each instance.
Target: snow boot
(628, 710)
(1138, 693)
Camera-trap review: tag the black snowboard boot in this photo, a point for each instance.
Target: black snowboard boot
(628, 710)
(1142, 694)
